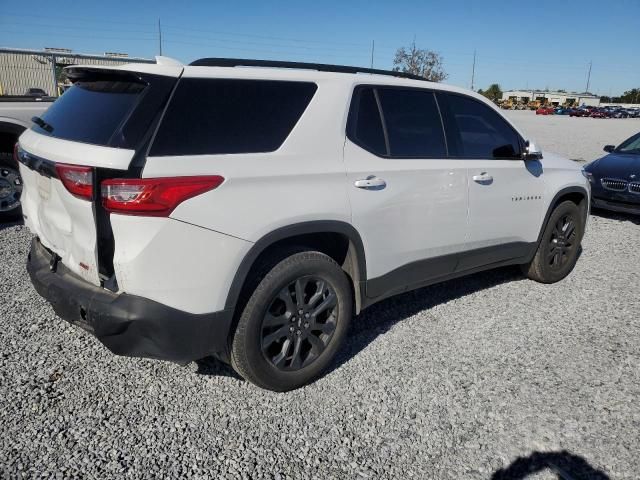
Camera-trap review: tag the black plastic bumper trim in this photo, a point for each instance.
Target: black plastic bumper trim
(128, 324)
(614, 206)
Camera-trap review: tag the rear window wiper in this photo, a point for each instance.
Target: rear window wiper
(42, 124)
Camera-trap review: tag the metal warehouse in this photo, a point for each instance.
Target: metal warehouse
(552, 98)
(22, 69)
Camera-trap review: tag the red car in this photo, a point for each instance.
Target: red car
(545, 111)
(579, 112)
(599, 114)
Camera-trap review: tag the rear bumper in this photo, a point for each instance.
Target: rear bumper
(614, 206)
(127, 324)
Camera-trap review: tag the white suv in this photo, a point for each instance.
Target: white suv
(249, 209)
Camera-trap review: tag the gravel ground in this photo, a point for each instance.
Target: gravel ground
(473, 379)
(576, 138)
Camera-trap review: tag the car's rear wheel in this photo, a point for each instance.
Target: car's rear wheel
(293, 323)
(10, 188)
(559, 247)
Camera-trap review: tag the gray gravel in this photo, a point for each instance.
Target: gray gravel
(459, 381)
(451, 381)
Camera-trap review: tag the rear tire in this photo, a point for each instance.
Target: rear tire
(293, 323)
(10, 189)
(559, 247)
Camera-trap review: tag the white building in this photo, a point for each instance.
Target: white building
(552, 98)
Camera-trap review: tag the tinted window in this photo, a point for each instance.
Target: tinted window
(413, 123)
(92, 111)
(216, 116)
(368, 131)
(477, 131)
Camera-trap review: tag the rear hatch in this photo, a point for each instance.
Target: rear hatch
(100, 128)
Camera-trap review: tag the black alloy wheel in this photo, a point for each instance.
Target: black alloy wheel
(299, 323)
(562, 242)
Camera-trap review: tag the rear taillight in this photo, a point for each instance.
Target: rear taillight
(77, 179)
(156, 197)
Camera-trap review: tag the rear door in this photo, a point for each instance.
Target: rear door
(89, 133)
(409, 201)
(505, 192)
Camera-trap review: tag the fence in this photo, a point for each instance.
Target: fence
(22, 69)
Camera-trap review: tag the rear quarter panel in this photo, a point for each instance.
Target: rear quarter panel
(303, 180)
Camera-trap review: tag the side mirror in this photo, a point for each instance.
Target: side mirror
(531, 152)
(609, 148)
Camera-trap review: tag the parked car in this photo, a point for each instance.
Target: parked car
(562, 111)
(619, 113)
(599, 113)
(545, 111)
(579, 112)
(35, 92)
(15, 117)
(267, 206)
(615, 178)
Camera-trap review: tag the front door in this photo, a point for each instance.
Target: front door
(506, 202)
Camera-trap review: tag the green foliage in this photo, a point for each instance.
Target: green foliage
(493, 93)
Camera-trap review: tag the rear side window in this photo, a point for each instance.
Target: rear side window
(92, 111)
(218, 116)
(414, 127)
(367, 131)
(409, 126)
(476, 130)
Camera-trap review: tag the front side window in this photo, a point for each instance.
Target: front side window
(476, 131)
(224, 116)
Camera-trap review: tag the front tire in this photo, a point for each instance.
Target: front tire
(10, 189)
(294, 322)
(558, 250)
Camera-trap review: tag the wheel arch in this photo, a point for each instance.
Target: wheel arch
(314, 234)
(576, 194)
(10, 130)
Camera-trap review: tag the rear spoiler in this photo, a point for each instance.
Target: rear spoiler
(165, 66)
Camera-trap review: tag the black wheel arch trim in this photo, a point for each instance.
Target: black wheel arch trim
(554, 202)
(294, 230)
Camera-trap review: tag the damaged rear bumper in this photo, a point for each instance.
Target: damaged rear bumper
(128, 324)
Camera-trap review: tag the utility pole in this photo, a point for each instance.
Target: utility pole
(588, 77)
(373, 47)
(160, 36)
(473, 69)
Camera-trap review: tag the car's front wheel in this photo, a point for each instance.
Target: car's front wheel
(293, 323)
(559, 247)
(10, 189)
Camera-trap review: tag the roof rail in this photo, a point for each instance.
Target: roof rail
(321, 67)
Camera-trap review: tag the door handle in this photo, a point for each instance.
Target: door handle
(484, 178)
(370, 183)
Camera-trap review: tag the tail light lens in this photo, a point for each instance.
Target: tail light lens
(77, 180)
(156, 197)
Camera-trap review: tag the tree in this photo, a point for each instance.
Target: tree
(631, 96)
(493, 93)
(424, 63)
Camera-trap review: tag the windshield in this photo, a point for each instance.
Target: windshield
(631, 145)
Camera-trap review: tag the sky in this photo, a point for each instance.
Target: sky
(540, 44)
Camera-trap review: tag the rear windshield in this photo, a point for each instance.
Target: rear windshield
(218, 116)
(91, 112)
(107, 108)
